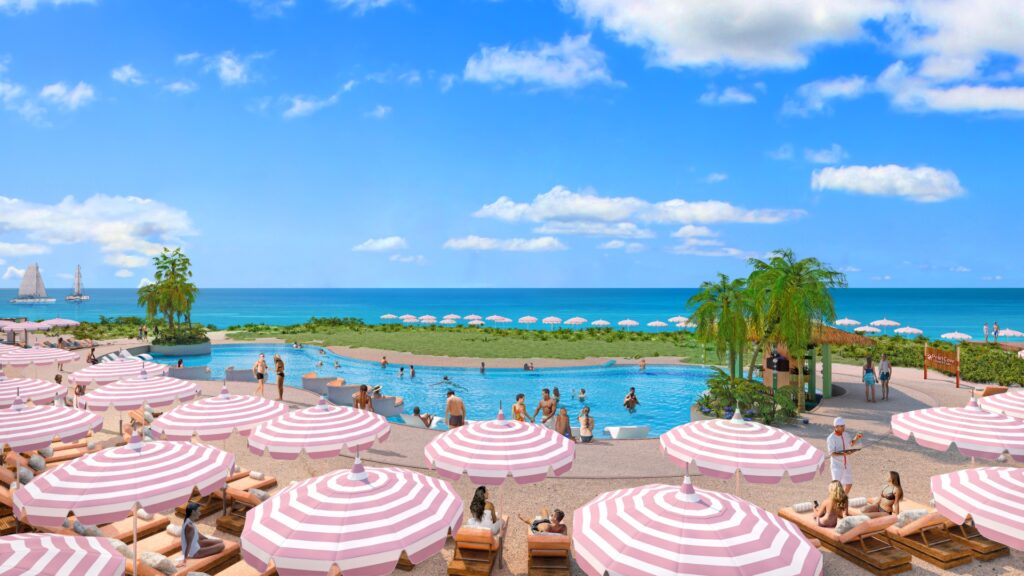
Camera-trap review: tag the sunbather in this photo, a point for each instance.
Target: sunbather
(562, 423)
(586, 425)
(482, 513)
(193, 543)
(835, 507)
(890, 498)
(547, 523)
(428, 419)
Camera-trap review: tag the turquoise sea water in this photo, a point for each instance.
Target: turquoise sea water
(663, 391)
(933, 310)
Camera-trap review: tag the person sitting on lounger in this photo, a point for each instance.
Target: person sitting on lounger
(562, 423)
(835, 507)
(361, 400)
(428, 419)
(631, 401)
(547, 523)
(890, 498)
(193, 543)
(482, 513)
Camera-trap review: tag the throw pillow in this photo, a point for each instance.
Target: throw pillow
(850, 522)
(25, 475)
(46, 452)
(260, 495)
(158, 562)
(37, 463)
(909, 517)
(858, 502)
(802, 507)
(174, 529)
(256, 475)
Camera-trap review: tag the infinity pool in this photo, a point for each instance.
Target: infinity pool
(665, 392)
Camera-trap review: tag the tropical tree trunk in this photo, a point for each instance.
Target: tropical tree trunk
(801, 396)
(758, 351)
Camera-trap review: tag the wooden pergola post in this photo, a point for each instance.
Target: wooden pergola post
(826, 371)
(812, 377)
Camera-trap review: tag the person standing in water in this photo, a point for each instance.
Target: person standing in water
(454, 410)
(401, 371)
(412, 371)
(483, 367)
(984, 330)
(643, 364)
(259, 370)
(384, 362)
(546, 407)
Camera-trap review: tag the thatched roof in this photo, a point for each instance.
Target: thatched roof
(823, 334)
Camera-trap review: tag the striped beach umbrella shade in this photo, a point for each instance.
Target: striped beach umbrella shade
(410, 320)
(908, 331)
(847, 322)
(472, 317)
(600, 323)
(405, 317)
(679, 530)
(358, 521)
(1007, 333)
(1009, 403)
(492, 450)
(551, 320)
(60, 323)
(41, 554)
(114, 370)
(320, 431)
(502, 320)
(576, 321)
(956, 336)
(528, 320)
(428, 318)
(388, 317)
(132, 393)
(216, 417)
(29, 389)
(685, 325)
(37, 356)
(628, 323)
(656, 324)
(866, 330)
(24, 327)
(25, 428)
(976, 432)
(885, 323)
(722, 448)
(493, 318)
(451, 317)
(989, 496)
(448, 322)
(677, 319)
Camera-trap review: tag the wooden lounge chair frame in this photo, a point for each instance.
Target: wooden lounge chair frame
(870, 550)
(239, 502)
(210, 564)
(477, 549)
(934, 545)
(211, 503)
(981, 547)
(548, 555)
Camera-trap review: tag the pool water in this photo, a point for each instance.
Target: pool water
(665, 392)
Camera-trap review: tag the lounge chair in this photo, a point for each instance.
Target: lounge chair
(213, 502)
(8, 524)
(548, 555)
(340, 394)
(627, 432)
(928, 539)
(241, 568)
(415, 422)
(190, 373)
(315, 384)
(993, 390)
(981, 547)
(120, 530)
(476, 550)
(209, 565)
(239, 504)
(233, 375)
(865, 545)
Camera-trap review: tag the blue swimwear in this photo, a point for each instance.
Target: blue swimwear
(869, 378)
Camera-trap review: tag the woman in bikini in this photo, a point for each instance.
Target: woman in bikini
(870, 377)
(828, 514)
(889, 499)
(586, 425)
(519, 408)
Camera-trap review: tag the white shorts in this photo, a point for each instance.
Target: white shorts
(844, 475)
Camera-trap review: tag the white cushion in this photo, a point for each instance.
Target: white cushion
(260, 495)
(858, 502)
(37, 462)
(144, 515)
(158, 562)
(910, 516)
(174, 529)
(850, 522)
(121, 547)
(802, 507)
(256, 475)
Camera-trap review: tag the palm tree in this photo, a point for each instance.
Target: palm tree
(172, 292)
(720, 314)
(796, 299)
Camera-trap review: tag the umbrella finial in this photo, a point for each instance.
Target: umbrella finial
(687, 490)
(18, 404)
(737, 415)
(322, 403)
(358, 473)
(135, 442)
(973, 404)
(224, 393)
(501, 412)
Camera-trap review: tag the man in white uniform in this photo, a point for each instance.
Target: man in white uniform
(838, 443)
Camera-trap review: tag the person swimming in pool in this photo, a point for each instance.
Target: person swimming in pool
(583, 395)
(401, 371)
(631, 401)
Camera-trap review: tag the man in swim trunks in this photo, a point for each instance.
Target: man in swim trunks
(361, 400)
(259, 370)
(519, 408)
(547, 407)
(631, 401)
(454, 410)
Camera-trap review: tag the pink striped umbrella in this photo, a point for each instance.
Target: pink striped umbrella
(60, 323)
(37, 356)
(673, 530)
(216, 417)
(114, 370)
(493, 318)
(722, 448)
(678, 319)
(489, 451)
(32, 389)
(992, 497)
(476, 322)
(975, 432)
(448, 322)
(657, 324)
(23, 428)
(600, 323)
(472, 317)
(359, 521)
(628, 322)
(322, 431)
(131, 393)
(24, 326)
(452, 317)
(551, 320)
(41, 554)
(1010, 403)
(528, 320)
(576, 321)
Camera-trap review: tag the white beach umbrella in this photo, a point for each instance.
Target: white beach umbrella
(120, 369)
(60, 323)
(405, 317)
(576, 321)
(847, 322)
(36, 356)
(1007, 333)
(600, 323)
(216, 417)
(885, 323)
(908, 330)
(492, 318)
(428, 318)
(321, 431)
(38, 391)
(389, 317)
(685, 325)
(528, 320)
(657, 324)
(867, 330)
(428, 321)
(502, 320)
(448, 321)
(40, 554)
(678, 319)
(956, 336)
(25, 428)
(452, 317)
(992, 497)
(552, 320)
(476, 322)
(628, 323)
(472, 317)
(410, 320)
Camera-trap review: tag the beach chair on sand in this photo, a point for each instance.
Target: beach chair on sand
(981, 547)
(476, 550)
(209, 565)
(241, 568)
(213, 502)
(548, 555)
(865, 545)
(928, 538)
(8, 525)
(239, 504)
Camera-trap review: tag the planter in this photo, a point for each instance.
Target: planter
(202, 349)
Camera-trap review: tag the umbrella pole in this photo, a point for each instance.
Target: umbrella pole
(135, 537)
(737, 482)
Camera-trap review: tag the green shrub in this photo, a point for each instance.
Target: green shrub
(182, 335)
(753, 398)
(981, 363)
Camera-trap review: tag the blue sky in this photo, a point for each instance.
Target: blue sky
(406, 143)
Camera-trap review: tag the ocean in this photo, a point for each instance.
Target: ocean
(934, 310)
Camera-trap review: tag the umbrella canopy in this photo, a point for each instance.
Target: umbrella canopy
(489, 451)
(909, 330)
(678, 530)
(628, 322)
(551, 320)
(502, 320)
(528, 320)
(600, 323)
(476, 322)
(23, 428)
(867, 330)
(988, 495)
(448, 321)
(389, 317)
(1006, 333)
(956, 336)
(60, 323)
(576, 321)
(132, 393)
(976, 432)
(677, 319)
(428, 318)
(216, 417)
(686, 324)
(25, 326)
(847, 322)
(321, 431)
(37, 391)
(37, 356)
(1010, 403)
(359, 520)
(472, 317)
(493, 318)
(657, 324)
(762, 454)
(885, 323)
(452, 317)
(114, 370)
(104, 486)
(410, 320)
(428, 321)
(407, 317)
(41, 554)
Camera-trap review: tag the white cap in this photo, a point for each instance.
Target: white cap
(839, 421)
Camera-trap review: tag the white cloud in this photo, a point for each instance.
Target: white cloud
(571, 63)
(181, 87)
(996, 278)
(127, 74)
(849, 269)
(716, 177)
(15, 6)
(410, 77)
(361, 6)
(269, 7)
(68, 98)
(446, 81)
(119, 225)
(814, 97)
(144, 282)
(13, 272)
(912, 92)
(348, 86)
(784, 152)
(590, 228)
(304, 106)
(921, 184)
(628, 247)
(233, 70)
(187, 58)
(124, 273)
(737, 33)
(731, 95)
(379, 112)
(16, 250)
(691, 231)
(408, 258)
(883, 278)
(960, 269)
(832, 155)
(126, 260)
(679, 211)
(381, 244)
(709, 248)
(539, 244)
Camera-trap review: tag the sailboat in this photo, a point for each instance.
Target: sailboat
(76, 295)
(32, 289)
